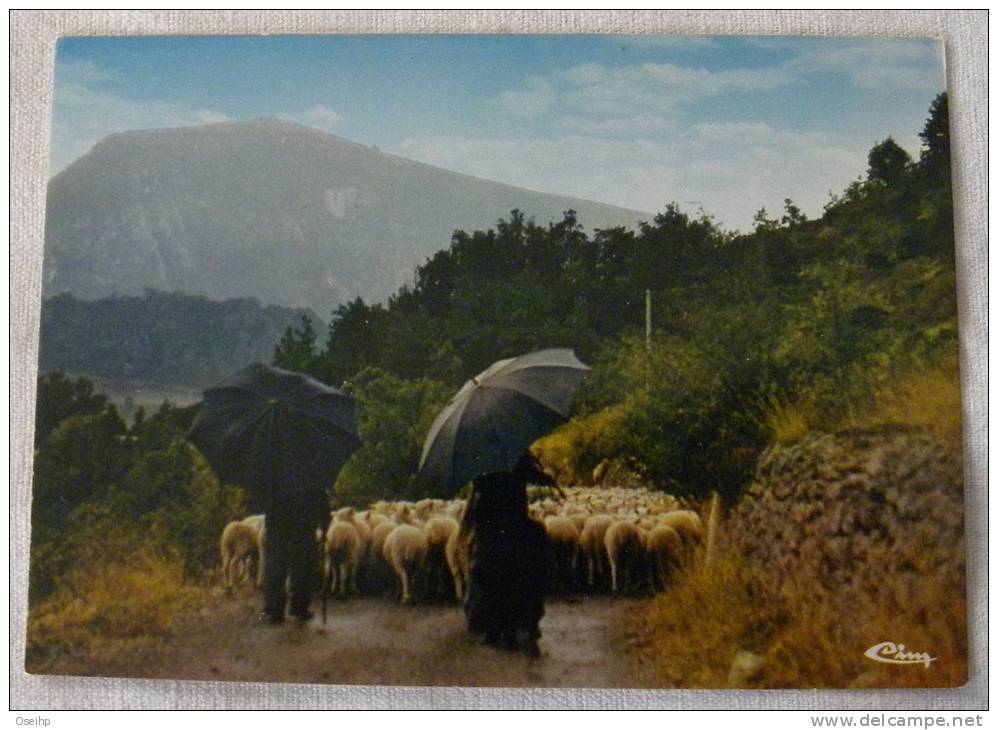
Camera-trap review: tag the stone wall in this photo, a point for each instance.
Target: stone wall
(857, 513)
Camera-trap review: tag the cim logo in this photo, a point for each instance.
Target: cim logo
(890, 653)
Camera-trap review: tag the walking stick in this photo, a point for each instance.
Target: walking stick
(325, 597)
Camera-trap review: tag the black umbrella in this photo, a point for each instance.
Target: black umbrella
(275, 432)
(489, 424)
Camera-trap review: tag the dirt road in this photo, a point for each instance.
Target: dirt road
(372, 641)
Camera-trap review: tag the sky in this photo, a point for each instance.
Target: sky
(728, 125)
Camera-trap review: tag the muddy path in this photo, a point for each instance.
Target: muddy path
(585, 643)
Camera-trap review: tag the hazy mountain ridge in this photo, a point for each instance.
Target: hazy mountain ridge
(161, 338)
(268, 209)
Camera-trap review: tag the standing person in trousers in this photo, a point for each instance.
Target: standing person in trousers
(508, 559)
(291, 554)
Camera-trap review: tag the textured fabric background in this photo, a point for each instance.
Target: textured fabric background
(32, 47)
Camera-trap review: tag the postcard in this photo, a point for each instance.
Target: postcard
(586, 361)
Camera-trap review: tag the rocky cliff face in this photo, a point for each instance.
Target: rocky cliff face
(266, 209)
(861, 513)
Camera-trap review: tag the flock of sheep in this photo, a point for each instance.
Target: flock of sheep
(602, 539)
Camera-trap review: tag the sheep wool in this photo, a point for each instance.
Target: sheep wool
(343, 552)
(405, 550)
(664, 551)
(622, 542)
(592, 547)
(239, 546)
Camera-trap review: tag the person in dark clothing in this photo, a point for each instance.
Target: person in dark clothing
(507, 561)
(291, 554)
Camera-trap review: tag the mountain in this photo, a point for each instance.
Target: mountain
(161, 339)
(266, 209)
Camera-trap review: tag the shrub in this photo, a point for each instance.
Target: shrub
(693, 632)
(120, 597)
(786, 419)
(573, 450)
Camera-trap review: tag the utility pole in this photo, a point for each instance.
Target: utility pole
(648, 338)
(648, 319)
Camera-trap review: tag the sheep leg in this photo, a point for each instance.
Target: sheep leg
(604, 568)
(406, 597)
(330, 577)
(573, 570)
(353, 578)
(613, 574)
(352, 570)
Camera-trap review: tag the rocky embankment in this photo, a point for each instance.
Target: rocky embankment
(858, 514)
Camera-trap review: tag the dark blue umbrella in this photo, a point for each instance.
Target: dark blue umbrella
(275, 432)
(495, 417)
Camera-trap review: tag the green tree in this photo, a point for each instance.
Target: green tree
(296, 350)
(357, 335)
(888, 163)
(393, 417)
(60, 397)
(935, 159)
(83, 459)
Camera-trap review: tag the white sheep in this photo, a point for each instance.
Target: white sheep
(360, 523)
(592, 547)
(563, 537)
(343, 552)
(405, 514)
(438, 531)
(455, 508)
(686, 522)
(260, 523)
(380, 576)
(457, 560)
(239, 545)
(257, 521)
(624, 552)
(405, 550)
(663, 552)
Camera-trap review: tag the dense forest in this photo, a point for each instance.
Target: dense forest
(760, 337)
(160, 337)
(757, 337)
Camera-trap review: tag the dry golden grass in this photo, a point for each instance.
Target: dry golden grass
(928, 399)
(111, 601)
(787, 420)
(693, 632)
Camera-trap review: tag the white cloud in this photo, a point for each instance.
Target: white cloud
(81, 72)
(658, 88)
(730, 170)
(82, 115)
(620, 126)
(318, 117)
(623, 140)
(875, 63)
(647, 88)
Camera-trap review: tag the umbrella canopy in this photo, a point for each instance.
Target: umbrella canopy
(489, 424)
(275, 431)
